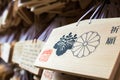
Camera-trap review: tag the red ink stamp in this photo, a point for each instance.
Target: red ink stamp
(45, 55)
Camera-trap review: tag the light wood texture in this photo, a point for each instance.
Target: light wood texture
(98, 61)
(30, 52)
(5, 51)
(53, 75)
(18, 49)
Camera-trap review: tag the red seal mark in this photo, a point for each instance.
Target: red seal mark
(45, 55)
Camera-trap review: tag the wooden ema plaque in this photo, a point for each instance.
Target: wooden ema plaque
(17, 52)
(29, 54)
(5, 51)
(90, 50)
(53, 75)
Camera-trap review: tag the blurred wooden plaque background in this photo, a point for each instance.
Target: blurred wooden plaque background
(29, 55)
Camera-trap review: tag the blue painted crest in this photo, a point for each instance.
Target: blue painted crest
(65, 43)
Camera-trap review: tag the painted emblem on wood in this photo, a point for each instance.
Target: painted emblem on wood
(65, 43)
(86, 44)
(81, 46)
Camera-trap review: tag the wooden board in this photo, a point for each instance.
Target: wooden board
(5, 51)
(18, 48)
(31, 3)
(90, 50)
(25, 15)
(4, 17)
(30, 52)
(53, 75)
(48, 8)
(41, 3)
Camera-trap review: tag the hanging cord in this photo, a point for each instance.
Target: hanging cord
(98, 6)
(101, 13)
(85, 14)
(38, 34)
(95, 12)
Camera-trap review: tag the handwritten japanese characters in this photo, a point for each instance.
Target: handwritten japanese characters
(111, 40)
